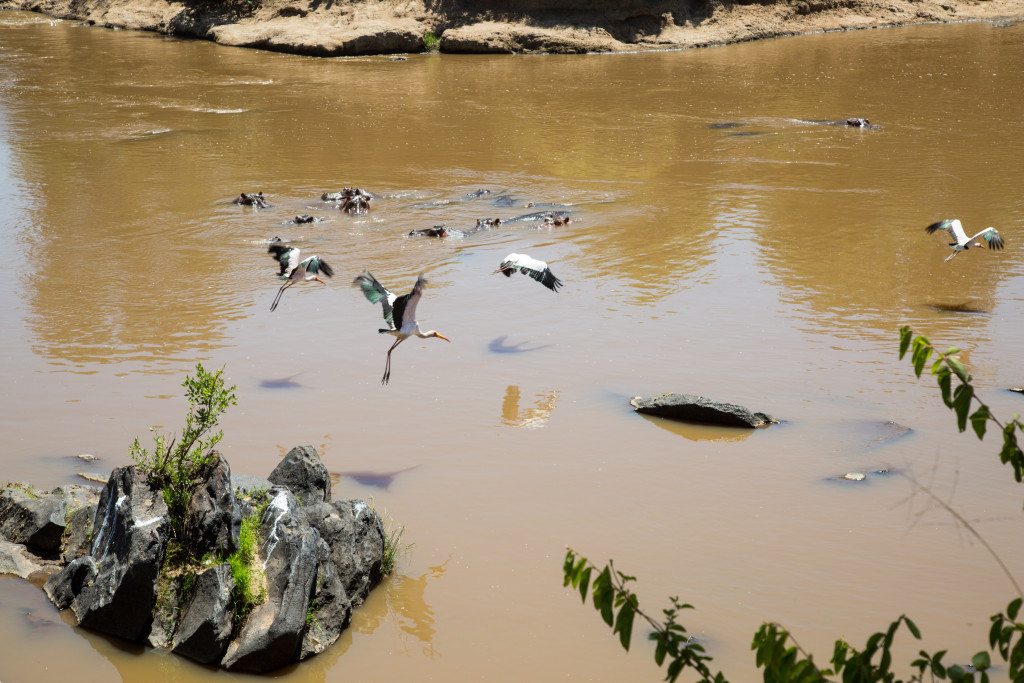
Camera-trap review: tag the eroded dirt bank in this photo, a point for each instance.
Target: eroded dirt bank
(357, 27)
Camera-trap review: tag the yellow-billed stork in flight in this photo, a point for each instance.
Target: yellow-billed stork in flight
(536, 269)
(399, 313)
(293, 270)
(961, 240)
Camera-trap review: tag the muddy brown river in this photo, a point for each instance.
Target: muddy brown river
(720, 243)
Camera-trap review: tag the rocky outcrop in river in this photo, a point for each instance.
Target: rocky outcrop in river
(360, 27)
(261, 573)
(693, 408)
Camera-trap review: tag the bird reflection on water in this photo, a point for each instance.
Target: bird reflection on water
(531, 418)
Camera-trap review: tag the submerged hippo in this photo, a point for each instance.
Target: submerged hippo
(299, 220)
(437, 231)
(545, 217)
(353, 200)
(256, 199)
(487, 223)
(852, 122)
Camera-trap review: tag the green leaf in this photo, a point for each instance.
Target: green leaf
(958, 368)
(624, 622)
(979, 420)
(957, 673)
(962, 404)
(945, 385)
(981, 661)
(584, 582)
(1013, 608)
(905, 336)
(920, 357)
(913, 628)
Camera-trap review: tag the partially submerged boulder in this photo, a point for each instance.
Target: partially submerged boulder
(273, 631)
(692, 408)
(307, 562)
(17, 560)
(131, 533)
(204, 628)
(32, 518)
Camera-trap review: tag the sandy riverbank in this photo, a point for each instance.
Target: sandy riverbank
(357, 27)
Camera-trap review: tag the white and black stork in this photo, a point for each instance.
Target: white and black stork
(961, 241)
(399, 313)
(293, 270)
(535, 268)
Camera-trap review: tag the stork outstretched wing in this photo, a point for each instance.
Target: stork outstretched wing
(405, 305)
(375, 292)
(954, 227)
(286, 256)
(992, 236)
(535, 268)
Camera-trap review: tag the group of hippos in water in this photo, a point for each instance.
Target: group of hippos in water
(356, 202)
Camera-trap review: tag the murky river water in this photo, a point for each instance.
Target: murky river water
(768, 263)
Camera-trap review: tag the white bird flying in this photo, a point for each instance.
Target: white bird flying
(538, 270)
(399, 313)
(962, 241)
(293, 270)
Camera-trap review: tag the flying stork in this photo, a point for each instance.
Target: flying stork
(962, 241)
(293, 270)
(399, 313)
(538, 270)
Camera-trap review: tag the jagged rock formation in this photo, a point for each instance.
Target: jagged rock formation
(306, 561)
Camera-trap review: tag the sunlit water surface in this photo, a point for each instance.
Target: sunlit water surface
(768, 261)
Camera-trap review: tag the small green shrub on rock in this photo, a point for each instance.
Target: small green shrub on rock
(176, 467)
(431, 43)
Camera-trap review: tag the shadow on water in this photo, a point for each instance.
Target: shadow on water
(281, 383)
(379, 480)
(498, 345)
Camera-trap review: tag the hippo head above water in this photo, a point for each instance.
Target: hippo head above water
(856, 122)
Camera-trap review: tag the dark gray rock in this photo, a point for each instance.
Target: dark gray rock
(303, 473)
(699, 409)
(33, 518)
(330, 607)
(208, 517)
(131, 532)
(77, 533)
(169, 591)
(15, 559)
(272, 634)
(205, 625)
(65, 585)
(355, 533)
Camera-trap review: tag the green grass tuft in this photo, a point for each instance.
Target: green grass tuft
(249, 590)
(431, 43)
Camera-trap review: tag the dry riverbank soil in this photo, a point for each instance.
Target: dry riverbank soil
(357, 27)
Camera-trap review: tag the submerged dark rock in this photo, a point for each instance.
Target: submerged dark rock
(694, 408)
